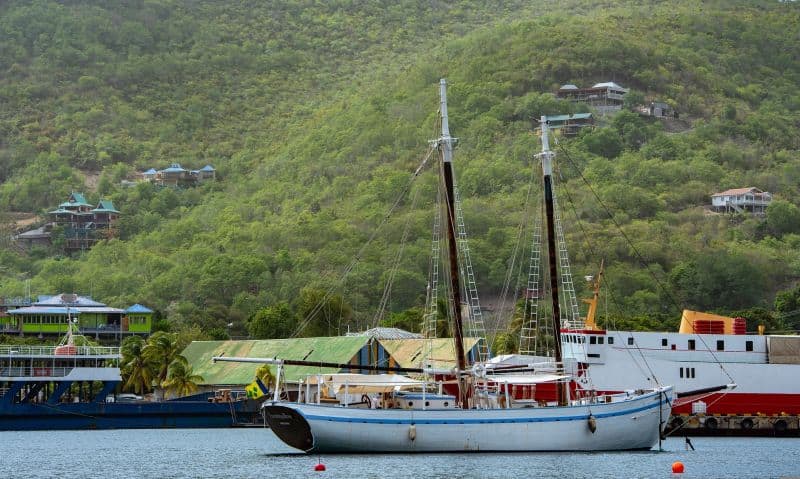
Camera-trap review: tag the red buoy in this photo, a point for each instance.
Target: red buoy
(321, 467)
(677, 467)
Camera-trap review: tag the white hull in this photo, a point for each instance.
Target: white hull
(646, 359)
(634, 423)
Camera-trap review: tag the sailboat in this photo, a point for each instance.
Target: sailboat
(390, 413)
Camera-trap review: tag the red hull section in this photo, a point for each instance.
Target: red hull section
(743, 404)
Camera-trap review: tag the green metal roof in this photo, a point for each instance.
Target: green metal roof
(340, 349)
(105, 206)
(408, 353)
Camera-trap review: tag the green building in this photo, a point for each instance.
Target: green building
(49, 315)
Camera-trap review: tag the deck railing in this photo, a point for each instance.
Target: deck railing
(24, 350)
(34, 372)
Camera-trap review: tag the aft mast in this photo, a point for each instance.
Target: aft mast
(546, 156)
(445, 143)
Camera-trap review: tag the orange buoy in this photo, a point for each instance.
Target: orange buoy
(319, 467)
(677, 467)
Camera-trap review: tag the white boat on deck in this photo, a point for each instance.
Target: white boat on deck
(379, 414)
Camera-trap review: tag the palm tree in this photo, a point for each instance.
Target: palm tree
(181, 380)
(161, 350)
(137, 370)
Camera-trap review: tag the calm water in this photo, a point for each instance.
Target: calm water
(244, 453)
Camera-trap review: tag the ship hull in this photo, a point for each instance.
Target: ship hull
(166, 414)
(634, 424)
(762, 384)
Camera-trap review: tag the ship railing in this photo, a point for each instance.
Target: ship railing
(30, 350)
(34, 372)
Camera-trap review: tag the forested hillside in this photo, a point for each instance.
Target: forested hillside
(317, 113)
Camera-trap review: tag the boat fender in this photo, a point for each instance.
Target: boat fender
(592, 423)
(780, 425)
(711, 423)
(412, 432)
(747, 423)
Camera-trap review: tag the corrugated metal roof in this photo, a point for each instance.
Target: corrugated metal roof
(151, 171)
(69, 299)
(174, 168)
(573, 116)
(609, 84)
(207, 168)
(340, 349)
(64, 310)
(408, 353)
(138, 308)
(387, 333)
(76, 199)
(738, 191)
(106, 206)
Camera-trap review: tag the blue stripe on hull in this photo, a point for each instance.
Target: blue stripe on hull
(583, 417)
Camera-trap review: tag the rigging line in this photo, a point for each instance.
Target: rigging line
(641, 258)
(611, 293)
(387, 290)
(503, 302)
(318, 307)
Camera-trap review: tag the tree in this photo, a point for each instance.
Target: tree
(161, 350)
(275, 321)
(604, 142)
(323, 313)
(136, 368)
(181, 380)
(783, 217)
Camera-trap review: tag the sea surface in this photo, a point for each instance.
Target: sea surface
(257, 453)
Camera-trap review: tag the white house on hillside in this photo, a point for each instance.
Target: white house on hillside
(740, 200)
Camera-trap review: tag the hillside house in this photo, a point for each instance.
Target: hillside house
(570, 125)
(50, 315)
(741, 200)
(659, 109)
(177, 176)
(82, 225)
(604, 97)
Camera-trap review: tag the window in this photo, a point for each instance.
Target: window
(748, 345)
(592, 339)
(611, 340)
(664, 342)
(692, 373)
(720, 345)
(630, 341)
(600, 340)
(691, 345)
(681, 369)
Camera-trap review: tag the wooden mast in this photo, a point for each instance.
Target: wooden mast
(547, 170)
(446, 148)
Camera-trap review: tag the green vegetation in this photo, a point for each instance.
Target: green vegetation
(316, 114)
(157, 363)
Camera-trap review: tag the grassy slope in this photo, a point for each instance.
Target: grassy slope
(314, 160)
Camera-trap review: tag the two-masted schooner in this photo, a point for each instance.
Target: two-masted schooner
(405, 415)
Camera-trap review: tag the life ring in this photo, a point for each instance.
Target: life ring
(365, 399)
(747, 423)
(711, 423)
(478, 370)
